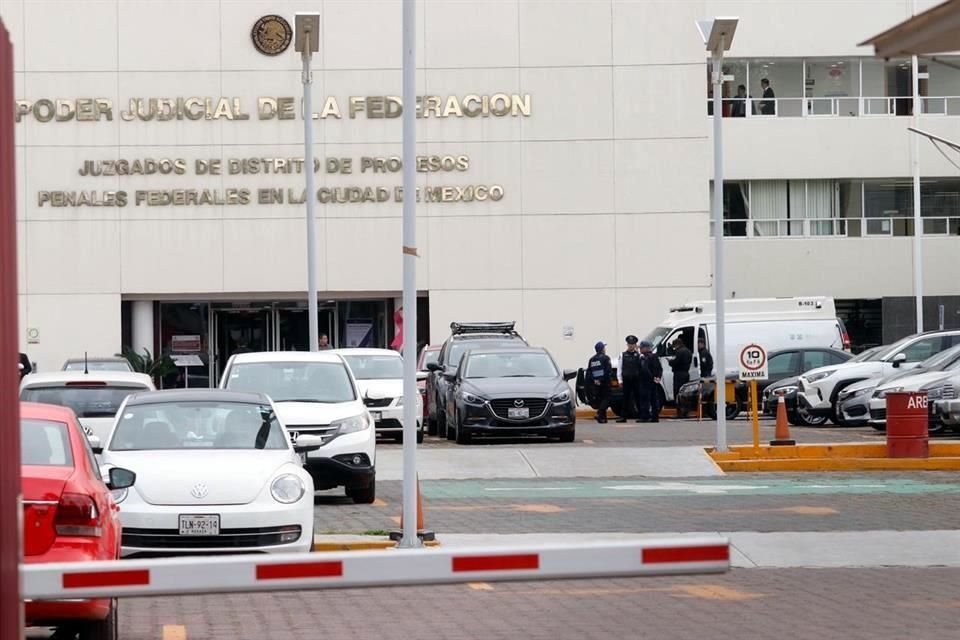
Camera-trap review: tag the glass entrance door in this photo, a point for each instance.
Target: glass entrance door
(240, 331)
(293, 328)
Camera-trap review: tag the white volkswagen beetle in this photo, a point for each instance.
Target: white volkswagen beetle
(216, 473)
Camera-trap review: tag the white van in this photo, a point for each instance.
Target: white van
(774, 323)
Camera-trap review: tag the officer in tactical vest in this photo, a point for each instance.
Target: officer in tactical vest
(598, 376)
(651, 371)
(629, 374)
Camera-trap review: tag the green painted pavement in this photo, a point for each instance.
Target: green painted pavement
(593, 488)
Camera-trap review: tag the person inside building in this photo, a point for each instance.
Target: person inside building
(739, 107)
(324, 342)
(706, 359)
(629, 374)
(767, 106)
(598, 374)
(680, 364)
(651, 371)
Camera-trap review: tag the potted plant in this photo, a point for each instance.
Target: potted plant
(156, 368)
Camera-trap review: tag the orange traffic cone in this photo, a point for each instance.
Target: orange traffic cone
(781, 436)
(422, 533)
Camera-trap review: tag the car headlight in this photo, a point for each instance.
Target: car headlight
(817, 377)
(784, 391)
(352, 425)
(560, 398)
(882, 393)
(935, 393)
(287, 488)
(399, 402)
(469, 398)
(119, 495)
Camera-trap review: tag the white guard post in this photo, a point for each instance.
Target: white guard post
(392, 567)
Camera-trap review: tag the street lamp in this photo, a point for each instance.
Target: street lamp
(307, 42)
(717, 35)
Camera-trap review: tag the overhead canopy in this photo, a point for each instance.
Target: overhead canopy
(934, 31)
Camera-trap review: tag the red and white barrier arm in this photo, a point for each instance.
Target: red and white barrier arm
(226, 574)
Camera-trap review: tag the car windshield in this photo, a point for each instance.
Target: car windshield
(656, 336)
(375, 367)
(88, 400)
(326, 382)
(510, 365)
(197, 425)
(458, 348)
(943, 361)
(869, 355)
(45, 443)
(429, 356)
(98, 365)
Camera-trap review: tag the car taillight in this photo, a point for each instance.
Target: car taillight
(77, 516)
(846, 341)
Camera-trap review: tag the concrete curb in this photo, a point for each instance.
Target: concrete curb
(330, 543)
(944, 456)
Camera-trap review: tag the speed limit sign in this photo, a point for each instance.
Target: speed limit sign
(753, 362)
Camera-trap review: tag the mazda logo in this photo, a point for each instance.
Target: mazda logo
(293, 437)
(199, 491)
(518, 402)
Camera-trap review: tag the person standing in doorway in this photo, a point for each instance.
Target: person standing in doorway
(25, 367)
(629, 374)
(651, 371)
(767, 106)
(598, 375)
(324, 342)
(706, 360)
(680, 365)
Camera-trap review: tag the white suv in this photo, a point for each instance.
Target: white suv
(819, 388)
(945, 399)
(316, 394)
(379, 375)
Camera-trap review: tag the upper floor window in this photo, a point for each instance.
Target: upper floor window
(840, 87)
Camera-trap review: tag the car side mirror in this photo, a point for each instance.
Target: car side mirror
(307, 443)
(422, 375)
(433, 366)
(120, 478)
(569, 374)
(95, 445)
(899, 359)
(450, 374)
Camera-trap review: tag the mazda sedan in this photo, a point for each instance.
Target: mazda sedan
(216, 473)
(509, 393)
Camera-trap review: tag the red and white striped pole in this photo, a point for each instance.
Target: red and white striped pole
(287, 572)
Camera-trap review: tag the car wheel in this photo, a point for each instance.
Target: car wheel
(733, 410)
(448, 430)
(106, 629)
(431, 426)
(879, 427)
(442, 430)
(804, 419)
(364, 495)
(420, 436)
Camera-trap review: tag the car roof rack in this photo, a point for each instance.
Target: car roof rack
(460, 328)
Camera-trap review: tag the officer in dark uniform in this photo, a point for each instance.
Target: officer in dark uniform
(680, 364)
(629, 371)
(651, 371)
(598, 375)
(706, 359)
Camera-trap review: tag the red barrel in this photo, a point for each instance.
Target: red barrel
(907, 425)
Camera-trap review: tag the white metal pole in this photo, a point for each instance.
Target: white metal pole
(311, 201)
(410, 538)
(718, 284)
(917, 221)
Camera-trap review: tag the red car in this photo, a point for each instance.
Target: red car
(69, 514)
(428, 354)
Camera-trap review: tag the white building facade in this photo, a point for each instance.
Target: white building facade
(564, 171)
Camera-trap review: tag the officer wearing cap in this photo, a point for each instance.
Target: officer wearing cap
(651, 371)
(598, 375)
(629, 374)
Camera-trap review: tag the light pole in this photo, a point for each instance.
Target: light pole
(410, 538)
(917, 220)
(307, 42)
(717, 35)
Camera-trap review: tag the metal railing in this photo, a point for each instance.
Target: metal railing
(839, 227)
(837, 106)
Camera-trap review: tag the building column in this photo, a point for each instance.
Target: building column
(142, 326)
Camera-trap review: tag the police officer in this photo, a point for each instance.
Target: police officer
(680, 364)
(706, 359)
(598, 375)
(629, 374)
(651, 371)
